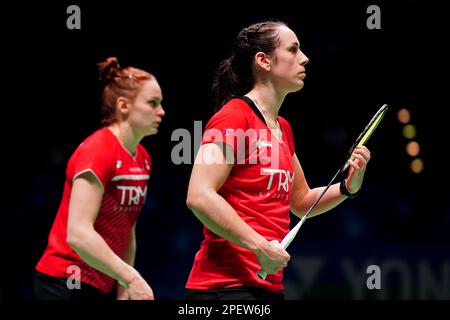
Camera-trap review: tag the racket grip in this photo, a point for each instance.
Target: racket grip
(262, 275)
(345, 166)
(284, 243)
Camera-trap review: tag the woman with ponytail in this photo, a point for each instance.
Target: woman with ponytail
(246, 177)
(92, 243)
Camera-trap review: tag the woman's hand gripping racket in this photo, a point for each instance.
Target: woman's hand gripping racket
(360, 141)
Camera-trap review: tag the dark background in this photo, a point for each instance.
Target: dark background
(400, 222)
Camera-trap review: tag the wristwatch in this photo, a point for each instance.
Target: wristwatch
(345, 192)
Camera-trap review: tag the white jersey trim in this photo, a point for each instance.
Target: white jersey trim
(131, 177)
(91, 171)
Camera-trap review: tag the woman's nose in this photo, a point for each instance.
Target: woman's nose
(161, 111)
(303, 59)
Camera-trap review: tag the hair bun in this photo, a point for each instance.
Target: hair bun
(108, 69)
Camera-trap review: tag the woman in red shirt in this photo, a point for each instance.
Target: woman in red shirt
(92, 244)
(247, 177)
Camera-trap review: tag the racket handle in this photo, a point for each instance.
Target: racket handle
(345, 166)
(285, 243)
(262, 275)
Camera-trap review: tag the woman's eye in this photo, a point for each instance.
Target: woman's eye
(153, 103)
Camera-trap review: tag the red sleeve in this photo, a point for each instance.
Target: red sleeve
(96, 157)
(289, 136)
(226, 126)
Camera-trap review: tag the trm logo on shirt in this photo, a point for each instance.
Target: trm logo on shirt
(132, 195)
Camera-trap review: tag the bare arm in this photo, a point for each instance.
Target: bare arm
(303, 197)
(84, 205)
(209, 173)
(122, 292)
(130, 256)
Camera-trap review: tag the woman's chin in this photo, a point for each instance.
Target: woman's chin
(298, 86)
(151, 131)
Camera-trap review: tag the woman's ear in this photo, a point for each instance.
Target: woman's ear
(122, 106)
(263, 61)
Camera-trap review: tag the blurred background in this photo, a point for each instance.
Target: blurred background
(401, 220)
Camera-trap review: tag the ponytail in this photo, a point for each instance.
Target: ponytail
(225, 82)
(108, 69)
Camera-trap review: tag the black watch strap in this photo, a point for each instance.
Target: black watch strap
(345, 192)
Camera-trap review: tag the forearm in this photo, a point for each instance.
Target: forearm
(130, 255)
(219, 217)
(93, 249)
(330, 199)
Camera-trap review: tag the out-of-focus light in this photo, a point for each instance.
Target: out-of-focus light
(403, 116)
(417, 165)
(412, 148)
(409, 131)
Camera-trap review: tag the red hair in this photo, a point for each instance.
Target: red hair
(117, 83)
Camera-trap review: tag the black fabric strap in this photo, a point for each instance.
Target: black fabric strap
(345, 192)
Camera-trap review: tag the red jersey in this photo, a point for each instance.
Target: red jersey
(258, 188)
(123, 178)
